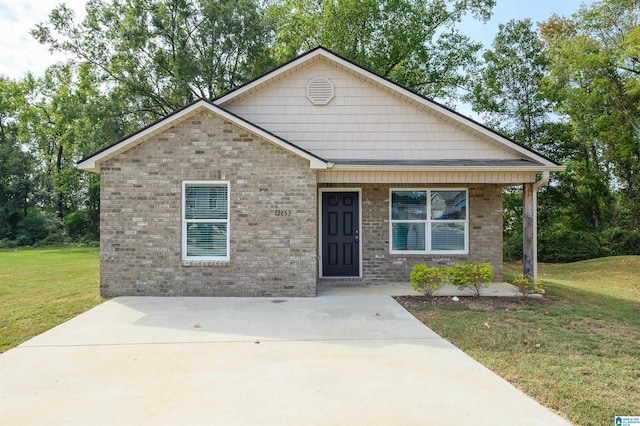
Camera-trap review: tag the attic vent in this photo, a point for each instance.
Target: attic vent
(320, 91)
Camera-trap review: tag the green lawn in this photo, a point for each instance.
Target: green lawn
(41, 288)
(577, 353)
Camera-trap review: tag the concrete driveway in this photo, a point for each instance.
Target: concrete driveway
(343, 358)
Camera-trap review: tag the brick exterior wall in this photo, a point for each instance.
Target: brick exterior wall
(485, 232)
(141, 225)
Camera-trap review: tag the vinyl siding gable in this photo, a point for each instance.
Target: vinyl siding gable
(362, 121)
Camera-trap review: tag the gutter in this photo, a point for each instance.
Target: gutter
(544, 179)
(413, 168)
(542, 182)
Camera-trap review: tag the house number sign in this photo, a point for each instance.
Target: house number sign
(283, 213)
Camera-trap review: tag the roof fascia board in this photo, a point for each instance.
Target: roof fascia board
(410, 168)
(270, 75)
(315, 162)
(403, 91)
(439, 108)
(92, 163)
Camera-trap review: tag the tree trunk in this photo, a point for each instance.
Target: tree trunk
(59, 194)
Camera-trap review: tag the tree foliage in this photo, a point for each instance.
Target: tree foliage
(595, 71)
(508, 91)
(413, 42)
(160, 55)
(49, 123)
(16, 163)
(569, 89)
(582, 209)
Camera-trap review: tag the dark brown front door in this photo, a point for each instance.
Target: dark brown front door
(340, 234)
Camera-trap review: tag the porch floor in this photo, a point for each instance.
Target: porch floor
(501, 289)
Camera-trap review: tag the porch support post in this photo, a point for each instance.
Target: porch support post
(529, 230)
(530, 225)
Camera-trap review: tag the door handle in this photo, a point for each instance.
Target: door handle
(357, 236)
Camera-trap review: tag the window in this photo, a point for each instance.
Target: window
(429, 221)
(205, 221)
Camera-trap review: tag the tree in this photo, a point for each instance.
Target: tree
(16, 163)
(509, 90)
(160, 55)
(509, 94)
(413, 42)
(572, 93)
(54, 125)
(595, 70)
(60, 118)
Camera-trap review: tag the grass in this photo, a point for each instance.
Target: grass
(578, 353)
(41, 288)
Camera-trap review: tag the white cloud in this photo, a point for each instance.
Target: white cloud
(19, 51)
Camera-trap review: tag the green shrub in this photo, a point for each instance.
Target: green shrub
(565, 245)
(426, 279)
(40, 229)
(78, 225)
(527, 284)
(7, 243)
(473, 275)
(618, 241)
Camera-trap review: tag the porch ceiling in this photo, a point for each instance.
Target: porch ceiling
(408, 175)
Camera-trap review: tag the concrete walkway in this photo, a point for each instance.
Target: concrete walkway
(338, 359)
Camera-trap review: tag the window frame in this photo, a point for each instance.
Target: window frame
(185, 221)
(428, 222)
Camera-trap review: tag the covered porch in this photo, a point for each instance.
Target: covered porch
(480, 181)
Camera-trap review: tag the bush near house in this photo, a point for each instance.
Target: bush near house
(426, 279)
(527, 285)
(473, 275)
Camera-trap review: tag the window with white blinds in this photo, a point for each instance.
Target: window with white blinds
(428, 221)
(205, 220)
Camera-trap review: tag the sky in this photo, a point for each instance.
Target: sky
(20, 53)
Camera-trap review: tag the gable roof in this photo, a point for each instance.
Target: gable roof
(527, 159)
(92, 163)
(533, 159)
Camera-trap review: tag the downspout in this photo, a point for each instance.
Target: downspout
(536, 186)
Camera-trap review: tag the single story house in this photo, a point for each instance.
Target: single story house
(318, 171)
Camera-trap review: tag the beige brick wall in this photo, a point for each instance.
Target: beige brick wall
(485, 233)
(141, 227)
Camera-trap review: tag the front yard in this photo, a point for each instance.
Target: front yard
(41, 288)
(577, 351)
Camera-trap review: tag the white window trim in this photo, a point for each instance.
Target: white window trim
(185, 221)
(428, 221)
